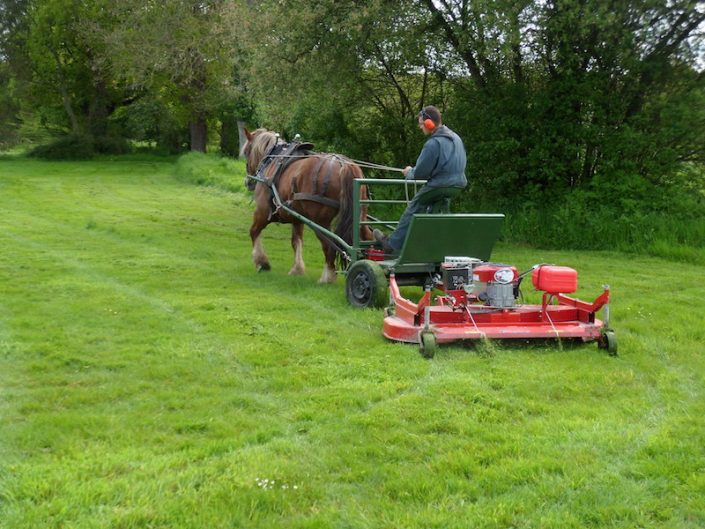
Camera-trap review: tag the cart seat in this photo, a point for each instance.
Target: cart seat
(432, 237)
(437, 200)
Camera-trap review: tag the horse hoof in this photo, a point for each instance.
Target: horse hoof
(264, 267)
(328, 277)
(297, 272)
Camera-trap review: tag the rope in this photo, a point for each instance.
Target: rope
(558, 334)
(483, 335)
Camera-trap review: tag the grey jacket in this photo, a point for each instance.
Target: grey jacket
(442, 160)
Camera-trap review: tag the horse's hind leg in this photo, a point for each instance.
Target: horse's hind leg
(260, 258)
(329, 274)
(297, 243)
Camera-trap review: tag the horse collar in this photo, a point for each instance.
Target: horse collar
(267, 158)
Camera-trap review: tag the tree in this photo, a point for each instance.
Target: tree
(13, 67)
(570, 83)
(547, 94)
(71, 80)
(351, 76)
(179, 51)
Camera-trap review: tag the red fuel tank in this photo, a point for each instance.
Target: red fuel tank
(555, 279)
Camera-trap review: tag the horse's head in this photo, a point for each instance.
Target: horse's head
(258, 144)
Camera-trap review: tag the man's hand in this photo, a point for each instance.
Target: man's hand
(406, 170)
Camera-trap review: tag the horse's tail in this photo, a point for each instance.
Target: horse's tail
(344, 227)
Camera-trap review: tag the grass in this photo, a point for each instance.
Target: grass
(149, 377)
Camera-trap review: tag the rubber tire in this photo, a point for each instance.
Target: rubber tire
(608, 341)
(427, 347)
(366, 285)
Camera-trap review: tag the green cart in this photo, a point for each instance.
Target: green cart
(432, 238)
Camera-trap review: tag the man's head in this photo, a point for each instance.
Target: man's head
(429, 119)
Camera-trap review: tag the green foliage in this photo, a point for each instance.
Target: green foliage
(111, 145)
(154, 121)
(71, 88)
(208, 170)
(341, 75)
(151, 378)
(627, 214)
(9, 108)
(69, 147)
(551, 98)
(183, 53)
(80, 147)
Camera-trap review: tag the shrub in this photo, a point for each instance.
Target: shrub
(666, 224)
(208, 170)
(81, 147)
(111, 145)
(70, 147)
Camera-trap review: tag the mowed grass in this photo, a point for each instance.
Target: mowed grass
(149, 377)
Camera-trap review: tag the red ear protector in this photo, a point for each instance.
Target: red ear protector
(427, 121)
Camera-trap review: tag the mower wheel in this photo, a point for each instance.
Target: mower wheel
(366, 285)
(427, 347)
(608, 341)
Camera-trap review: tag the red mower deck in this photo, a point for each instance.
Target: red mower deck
(458, 316)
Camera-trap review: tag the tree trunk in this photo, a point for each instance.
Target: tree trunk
(98, 111)
(65, 98)
(228, 136)
(199, 134)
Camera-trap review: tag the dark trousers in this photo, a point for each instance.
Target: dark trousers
(424, 202)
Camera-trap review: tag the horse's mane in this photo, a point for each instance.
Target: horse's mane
(262, 141)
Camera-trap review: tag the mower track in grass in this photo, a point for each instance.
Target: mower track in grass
(151, 378)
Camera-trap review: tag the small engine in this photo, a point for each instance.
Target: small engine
(494, 284)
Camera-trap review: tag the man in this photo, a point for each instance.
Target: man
(441, 163)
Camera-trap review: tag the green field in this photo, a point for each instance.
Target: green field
(150, 378)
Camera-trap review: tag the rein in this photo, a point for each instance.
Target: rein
(361, 163)
(342, 160)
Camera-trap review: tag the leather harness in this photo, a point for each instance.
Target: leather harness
(283, 155)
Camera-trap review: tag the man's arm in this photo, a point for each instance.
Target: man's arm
(425, 163)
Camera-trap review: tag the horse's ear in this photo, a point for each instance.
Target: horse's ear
(248, 134)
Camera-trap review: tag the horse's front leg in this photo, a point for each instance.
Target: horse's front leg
(297, 243)
(259, 222)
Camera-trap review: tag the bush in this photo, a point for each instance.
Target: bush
(661, 222)
(81, 147)
(70, 147)
(111, 145)
(208, 170)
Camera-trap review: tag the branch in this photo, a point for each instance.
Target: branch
(661, 51)
(665, 46)
(452, 37)
(403, 98)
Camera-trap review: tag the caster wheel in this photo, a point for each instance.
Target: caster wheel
(427, 347)
(608, 341)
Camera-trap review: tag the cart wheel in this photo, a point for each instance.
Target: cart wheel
(427, 347)
(608, 341)
(366, 285)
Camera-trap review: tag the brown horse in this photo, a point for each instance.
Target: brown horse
(317, 186)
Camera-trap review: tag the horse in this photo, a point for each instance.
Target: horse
(315, 185)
